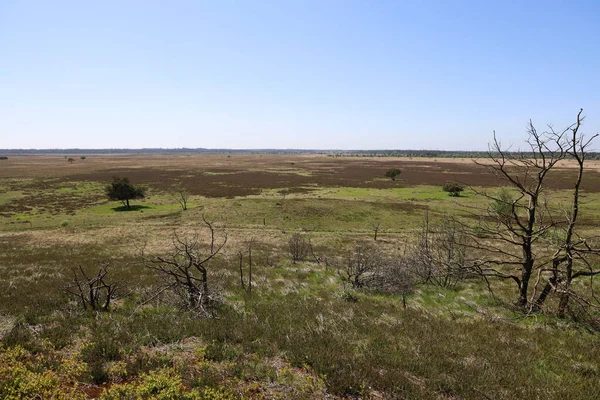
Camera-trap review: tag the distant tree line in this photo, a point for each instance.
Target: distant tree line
(331, 152)
(442, 154)
(161, 151)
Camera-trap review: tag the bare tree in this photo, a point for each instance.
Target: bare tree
(511, 232)
(525, 171)
(247, 287)
(298, 247)
(95, 292)
(439, 256)
(375, 225)
(187, 266)
(571, 260)
(395, 276)
(317, 258)
(361, 264)
(367, 267)
(182, 196)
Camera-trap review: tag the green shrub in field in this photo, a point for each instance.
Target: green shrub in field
(453, 188)
(392, 173)
(24, 376)
(163, 384)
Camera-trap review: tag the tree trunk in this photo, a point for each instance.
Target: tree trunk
(525, 276)
(250, 268)
(192, 299)
(564, 302)
(242, 271)
(204, 286)
(527, 246)
(545, 292)
(564, 296)
(127, 200)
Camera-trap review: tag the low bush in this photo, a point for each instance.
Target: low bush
(453, 188)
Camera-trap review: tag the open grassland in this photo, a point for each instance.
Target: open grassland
(300, 333)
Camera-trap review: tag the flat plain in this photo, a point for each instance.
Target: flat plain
(300, 332)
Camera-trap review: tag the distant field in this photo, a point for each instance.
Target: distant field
(221, 175)
(300, 333)
(317, 188)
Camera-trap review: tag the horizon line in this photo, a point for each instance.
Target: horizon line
(204, 149)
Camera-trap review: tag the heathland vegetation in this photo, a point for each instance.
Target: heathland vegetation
(302, 275)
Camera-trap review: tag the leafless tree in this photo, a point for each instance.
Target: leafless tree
(283, 194)
(186, 266)
(361, 264)
(182, 196)
(525, 171)
(394, 276)
(375, 225)
(572, 258)
(319, 259)
(298, 247)
(511, 234)
(247, 287)
(368, 267)
(439, 256)
(95, 292)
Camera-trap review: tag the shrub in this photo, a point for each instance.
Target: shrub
(22, 376)
(453, 188)
(162, 384)
(392, 173)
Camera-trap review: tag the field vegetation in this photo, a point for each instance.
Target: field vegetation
(281, 276)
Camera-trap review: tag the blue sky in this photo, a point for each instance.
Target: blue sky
(293, 74)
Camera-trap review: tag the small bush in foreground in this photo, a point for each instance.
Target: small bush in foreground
(24, 376)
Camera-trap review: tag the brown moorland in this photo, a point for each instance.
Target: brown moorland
(222, 175)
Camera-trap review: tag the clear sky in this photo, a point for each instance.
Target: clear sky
(293, 74)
